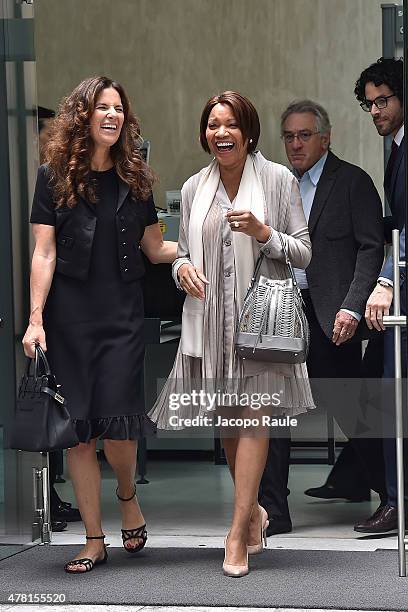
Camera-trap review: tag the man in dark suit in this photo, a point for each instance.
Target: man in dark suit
(380, 92)
(344, 214)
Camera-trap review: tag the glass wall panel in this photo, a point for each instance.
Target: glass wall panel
(18, 164)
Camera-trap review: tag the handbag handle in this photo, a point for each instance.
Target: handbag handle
(288, 263)
(39, 358)
(258, 264)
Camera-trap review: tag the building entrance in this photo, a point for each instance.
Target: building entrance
(18, 163)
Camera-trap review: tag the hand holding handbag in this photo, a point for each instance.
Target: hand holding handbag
(272, 325)
(42, 422)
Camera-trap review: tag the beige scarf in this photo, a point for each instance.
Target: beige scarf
(250, 197)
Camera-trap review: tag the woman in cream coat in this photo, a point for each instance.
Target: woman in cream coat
(231, 211)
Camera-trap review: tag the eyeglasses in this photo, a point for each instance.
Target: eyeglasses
(380, 102)
(303, 135)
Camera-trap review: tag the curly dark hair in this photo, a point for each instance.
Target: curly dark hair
(385, 71)
(70, 147)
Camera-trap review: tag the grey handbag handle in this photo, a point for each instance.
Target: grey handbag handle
(258, 264)
(288, 264)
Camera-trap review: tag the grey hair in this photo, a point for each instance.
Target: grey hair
(308, 106)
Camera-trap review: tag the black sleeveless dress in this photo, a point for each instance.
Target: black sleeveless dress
(95, 330)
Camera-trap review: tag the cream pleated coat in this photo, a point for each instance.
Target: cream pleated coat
(220, 369)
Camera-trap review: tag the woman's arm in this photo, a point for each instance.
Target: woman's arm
(296, 235)
(155, 248)
(186, 276)
(42, 272)
(183, 253)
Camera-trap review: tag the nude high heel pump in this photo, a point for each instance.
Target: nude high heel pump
(255, 549)
(233, 571)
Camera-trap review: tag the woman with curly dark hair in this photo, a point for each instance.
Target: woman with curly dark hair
(92, 210)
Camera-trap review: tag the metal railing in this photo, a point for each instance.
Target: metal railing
(397, 321)
(41, 527)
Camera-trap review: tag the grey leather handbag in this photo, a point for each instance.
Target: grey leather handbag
(272, 325)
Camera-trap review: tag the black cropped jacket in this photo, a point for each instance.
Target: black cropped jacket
(75, 229)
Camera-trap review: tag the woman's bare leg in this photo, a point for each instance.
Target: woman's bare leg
(230, 448)
(121, 455)
(248, 465)
(86, 480)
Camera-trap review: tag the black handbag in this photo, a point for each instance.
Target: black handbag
(272, 325)
(42, 422)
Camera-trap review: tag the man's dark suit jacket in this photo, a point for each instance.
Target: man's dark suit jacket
(346, 230)
(394, 187)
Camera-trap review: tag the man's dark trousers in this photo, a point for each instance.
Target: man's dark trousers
(325, 361)
(328, 361)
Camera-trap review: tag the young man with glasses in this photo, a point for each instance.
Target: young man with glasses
(344, 215)
(380, 92)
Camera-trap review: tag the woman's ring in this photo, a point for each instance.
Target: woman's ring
(236, 223)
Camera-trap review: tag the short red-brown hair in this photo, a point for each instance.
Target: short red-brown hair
(244, 112)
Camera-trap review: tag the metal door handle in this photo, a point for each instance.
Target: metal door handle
(394, 320)
(42, 523)
(397, 321)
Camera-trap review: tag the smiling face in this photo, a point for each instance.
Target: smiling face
(225, 138)
(107, 119)
(303, 155)
(387, 120)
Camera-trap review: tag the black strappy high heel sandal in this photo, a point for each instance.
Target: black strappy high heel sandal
(130, 534)
(86, 561)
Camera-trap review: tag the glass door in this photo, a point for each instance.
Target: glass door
(18, 165)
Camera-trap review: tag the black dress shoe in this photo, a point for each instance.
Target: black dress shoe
(65, 504)
(64, 513)
(278, 524)
(328, 491)
(59, 479)
(385, 518)
(58, 525)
